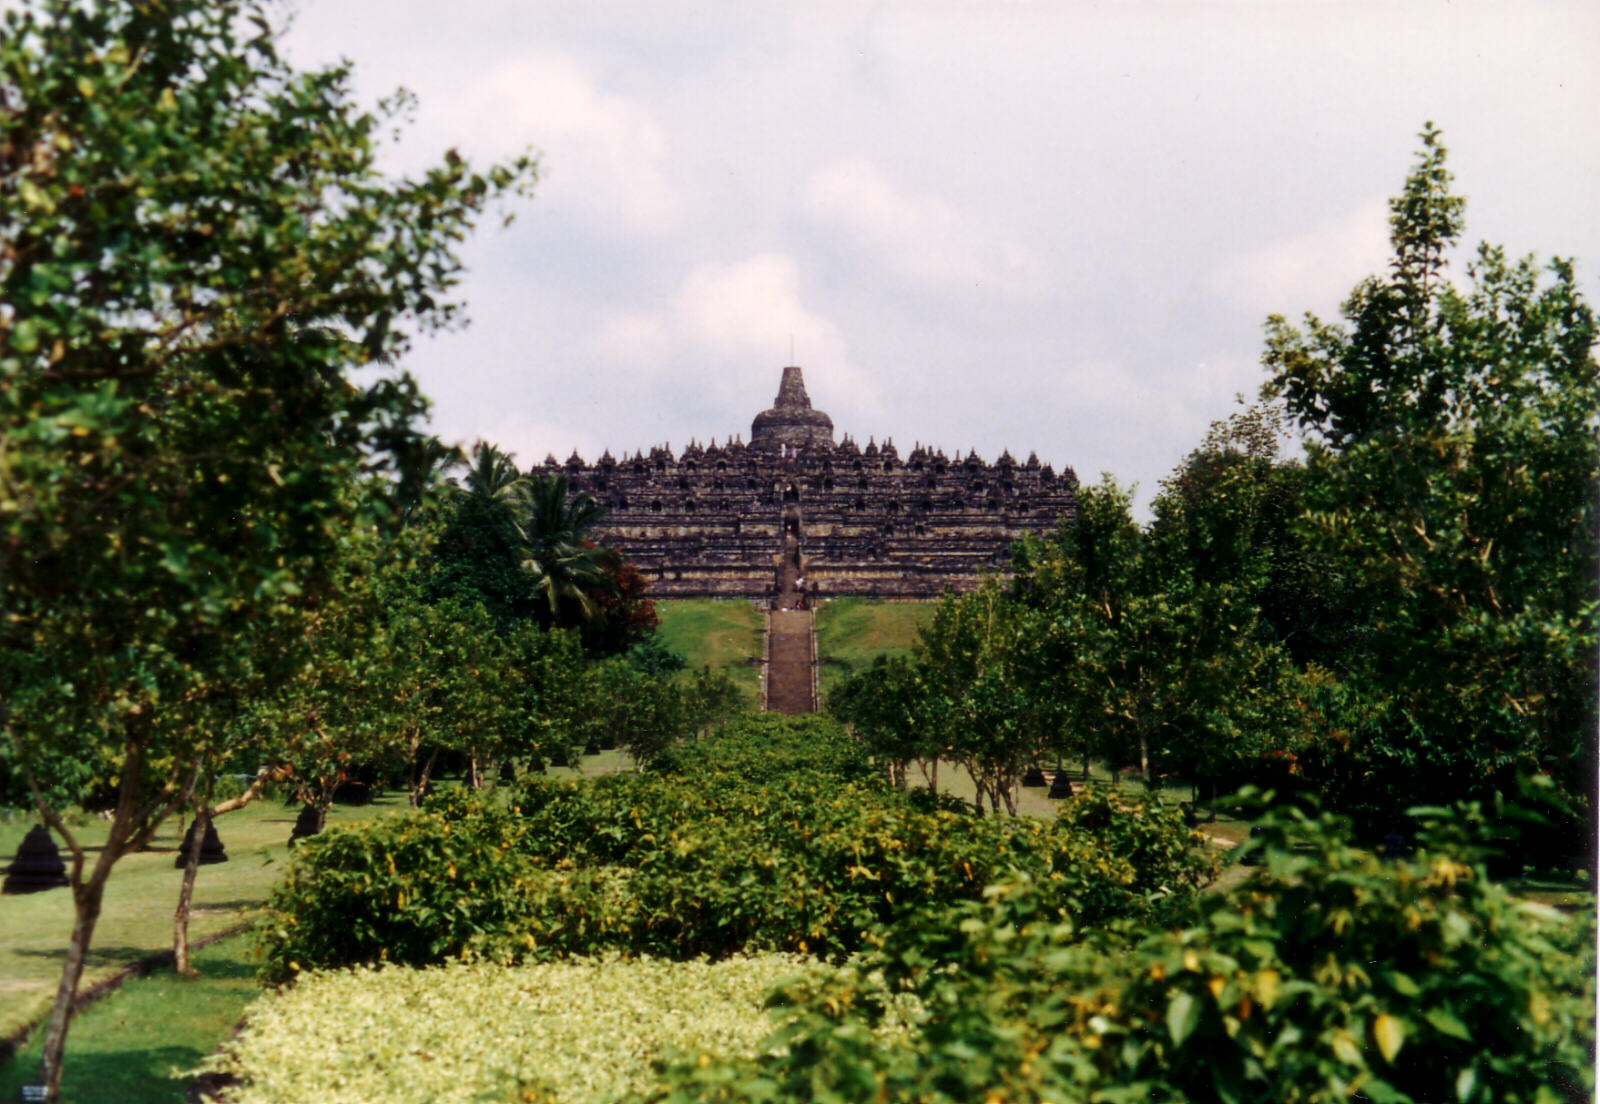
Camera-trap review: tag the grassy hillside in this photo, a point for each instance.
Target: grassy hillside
(724, 635)
(851, 631)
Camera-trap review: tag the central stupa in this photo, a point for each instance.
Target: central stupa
(791, 422)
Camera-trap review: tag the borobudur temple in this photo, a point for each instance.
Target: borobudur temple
(794, 510)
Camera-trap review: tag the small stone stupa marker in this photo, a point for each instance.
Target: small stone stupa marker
(210, 847)
(38, 864)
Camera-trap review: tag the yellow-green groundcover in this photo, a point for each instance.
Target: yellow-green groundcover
(579, 1031)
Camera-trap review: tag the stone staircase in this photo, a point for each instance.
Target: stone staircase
(791, 670)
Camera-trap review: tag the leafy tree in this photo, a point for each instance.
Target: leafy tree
(626, 618)
(1228, 516)
(1452, 480)
(710, 700)
(989, 714)
(885, 705)
(565, 564)
(479, 556)
(197, 248)
(1154, 663)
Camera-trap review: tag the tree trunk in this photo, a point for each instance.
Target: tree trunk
(1144, 758)
(323, 801)
(86, 901)
(180, 919)
(131, 828)
(1008, 790)
(421, 784)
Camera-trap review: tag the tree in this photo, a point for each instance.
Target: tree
(974, 659)
(885, 705)
(480, 552)
(1452, 481)
(565, 565)
(195, 248)
(1151, 662)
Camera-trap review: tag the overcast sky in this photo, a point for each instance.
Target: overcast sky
(1038, 226)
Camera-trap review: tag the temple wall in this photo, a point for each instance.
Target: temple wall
(711, 521)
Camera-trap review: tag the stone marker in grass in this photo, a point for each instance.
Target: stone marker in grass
(38, 864)
(210, 846)
(305, 824)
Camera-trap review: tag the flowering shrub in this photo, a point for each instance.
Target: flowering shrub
(1146, 831)
(411, 889)
(578, 1031)
(1328, 975)
(812, 858)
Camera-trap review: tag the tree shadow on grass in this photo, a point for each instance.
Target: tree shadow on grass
(133, 1076)
(114, 955)
(237, 904)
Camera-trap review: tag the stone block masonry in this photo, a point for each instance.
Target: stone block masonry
(794, 512)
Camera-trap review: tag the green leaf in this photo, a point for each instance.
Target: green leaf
(1447, 1024)
(1402, 983)
(1183, 1016)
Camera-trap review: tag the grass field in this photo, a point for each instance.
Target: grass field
(724, 635)
(140, 898)
(851, 631)
(125, 1048)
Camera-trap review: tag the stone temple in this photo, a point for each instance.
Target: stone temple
(793, 510)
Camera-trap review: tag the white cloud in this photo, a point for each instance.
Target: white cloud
(1314, 270)
(919, 236)
(604, 154)
(736, 319)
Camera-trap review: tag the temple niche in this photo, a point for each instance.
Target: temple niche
(743, 520)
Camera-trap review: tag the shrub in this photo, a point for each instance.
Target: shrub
(582, 1030)
(1149, 833)
(808, 858)
(411, 889)
(1327, 975)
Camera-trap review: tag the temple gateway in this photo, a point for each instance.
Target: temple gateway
(792, 511)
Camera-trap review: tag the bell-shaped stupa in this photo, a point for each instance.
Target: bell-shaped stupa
(791, 421)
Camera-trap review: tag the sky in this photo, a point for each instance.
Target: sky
(1054, 227)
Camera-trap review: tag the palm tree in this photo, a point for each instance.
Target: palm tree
(565, 564)
(492, 476)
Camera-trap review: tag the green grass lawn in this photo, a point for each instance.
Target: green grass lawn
(124, 1049)
(851, 631)
(140, 898)
(723, 635)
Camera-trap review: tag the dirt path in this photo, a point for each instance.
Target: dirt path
(790, 664)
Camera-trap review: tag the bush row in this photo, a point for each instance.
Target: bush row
(1328, 975)
(573, 1032)
(722, 852)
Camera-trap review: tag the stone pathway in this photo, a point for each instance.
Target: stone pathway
(791, 684)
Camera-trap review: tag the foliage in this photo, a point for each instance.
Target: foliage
(722, 849)
(581, 1030)
(1327, 974)
(980, 700)
(566, 568)
(411, 890)
(198, 249)
(886, 707)
(1144, 830)
(522, 545)
(1452, 481)
(1150, 663)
